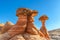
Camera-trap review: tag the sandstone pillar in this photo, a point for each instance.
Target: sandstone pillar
(20, 26)
(43, 28)
(31, 29)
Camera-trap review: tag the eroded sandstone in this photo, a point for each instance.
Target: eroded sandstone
(24, 29)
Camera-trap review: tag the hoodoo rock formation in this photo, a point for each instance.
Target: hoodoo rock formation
(43, 28)
(24, 29)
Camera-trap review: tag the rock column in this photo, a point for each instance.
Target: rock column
(43, 28)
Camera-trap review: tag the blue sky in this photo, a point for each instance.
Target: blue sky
(51, 8)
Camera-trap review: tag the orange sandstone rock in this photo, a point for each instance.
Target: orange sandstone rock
(24, 29)
(19, 27)
(43, 28)
(31, 29)
(6, 27)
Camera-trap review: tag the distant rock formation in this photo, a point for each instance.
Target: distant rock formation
(55, 34)
(6, 27)
(24, 29)
(1, 26)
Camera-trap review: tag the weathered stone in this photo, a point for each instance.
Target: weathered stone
(55, 34)
(17, 37)
(43, 28)
(31, 29)
(24, 29)
(5, 36)
(27, 36)
(33, 37)
(6, 27)
(1, 26)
